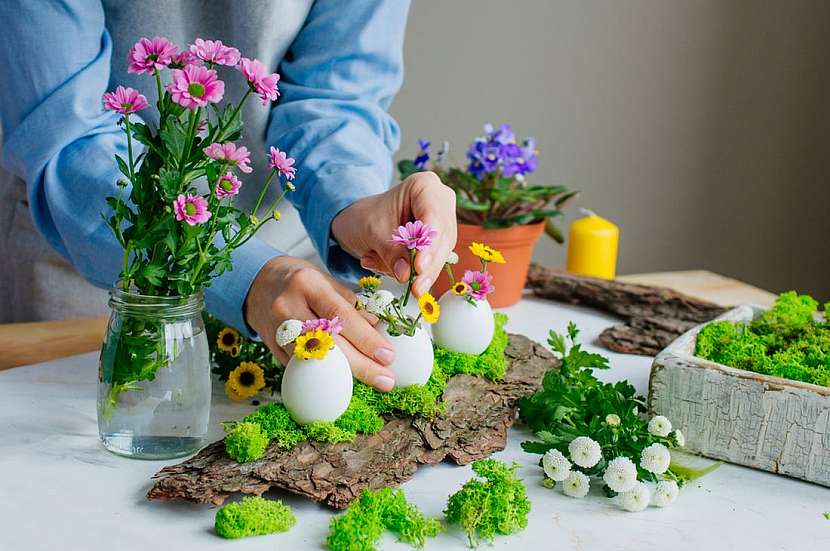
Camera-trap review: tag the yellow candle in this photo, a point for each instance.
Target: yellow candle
(592, 246)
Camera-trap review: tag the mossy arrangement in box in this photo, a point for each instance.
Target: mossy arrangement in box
(790, 340)
(248, 439)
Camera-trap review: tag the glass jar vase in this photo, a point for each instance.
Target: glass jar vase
(154, 385)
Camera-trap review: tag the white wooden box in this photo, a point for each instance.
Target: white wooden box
(742, 417)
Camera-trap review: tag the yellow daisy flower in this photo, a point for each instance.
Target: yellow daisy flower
(313, 344)
(369, 283)
(245, 381)
(228, 339)
(486, 253)
(429, 308)
(460, 288)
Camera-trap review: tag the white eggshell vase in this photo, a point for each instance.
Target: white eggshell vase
(413, 356)
(317, 390)
(464, 327)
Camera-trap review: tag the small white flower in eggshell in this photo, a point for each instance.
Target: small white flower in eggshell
(317, 390)
(464, 327)
(414, 357)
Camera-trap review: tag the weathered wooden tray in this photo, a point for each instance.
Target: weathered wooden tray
(478, 414)
(763, 422)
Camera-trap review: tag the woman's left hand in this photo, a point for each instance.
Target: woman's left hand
(364, 229)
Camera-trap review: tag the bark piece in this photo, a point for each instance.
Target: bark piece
(478, 414)
(653, 316)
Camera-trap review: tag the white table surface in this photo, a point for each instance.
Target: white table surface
(60, 490)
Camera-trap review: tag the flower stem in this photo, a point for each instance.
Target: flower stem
(158, 88)
(263, 191)
(221, 131)
(448, 269)
(130, 147)
(412, 276)
(191, 132)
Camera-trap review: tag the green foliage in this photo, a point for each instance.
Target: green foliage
(788, 340)
(490, 364)
(277, 425)
(361, 527)
(411, 400)
(224, 361)
(253, 516)
(573, 402)
(497, 504)
(245, 442)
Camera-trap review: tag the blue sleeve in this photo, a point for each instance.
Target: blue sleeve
(337, 82)
(54, 67)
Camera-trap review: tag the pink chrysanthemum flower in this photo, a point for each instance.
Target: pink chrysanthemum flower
(262, 82)
(231, 154)
(480, 284)
(279, 161)
(150, 54)
(192, 209)
(414, 235)
(228, 185)
(332, 326)
(196, 86)
(125, 100)
(184, 58)
(213, 51)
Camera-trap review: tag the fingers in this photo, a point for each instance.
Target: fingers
(286, 306)
(364, 369)
(433, 203)
(356, 329)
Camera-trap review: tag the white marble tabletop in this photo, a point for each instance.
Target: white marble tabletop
(60, 490)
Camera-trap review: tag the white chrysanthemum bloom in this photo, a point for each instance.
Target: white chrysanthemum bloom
(665, 493)
(362, 300)
(621, 474)
(680, 438)
(655, 458)
(612, 419)
(585, 451)
(556, 465)
(379, 301)
(659, 426)
(576, 485)
(288, 331)
(635, 499)
(452, 258)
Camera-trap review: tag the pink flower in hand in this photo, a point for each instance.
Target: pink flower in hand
(414, 235)
(196, 86)
(332, 326)
(213, 51)
(228, 185)
(150, 54)
(261, 82)
(124, 100)
(191, 209)
(231, 154)
(279, 161)
(480, 284)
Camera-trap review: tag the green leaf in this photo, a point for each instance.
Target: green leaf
(174, 138)
(467, 204)
(153, 273)
(556, 342)
(553, 231)
(122, 166)
(170, 183)
(407, 168)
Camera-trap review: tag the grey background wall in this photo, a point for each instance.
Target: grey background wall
(702, 128)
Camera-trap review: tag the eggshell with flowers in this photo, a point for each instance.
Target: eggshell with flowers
(414, 357)
(317, 389)
(464, 327)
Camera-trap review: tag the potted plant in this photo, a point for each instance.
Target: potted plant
(496, 205)
(175, 217)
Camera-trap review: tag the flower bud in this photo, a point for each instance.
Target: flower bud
(277, 215)
(612, 420)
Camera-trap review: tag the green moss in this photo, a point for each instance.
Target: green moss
(364, 415)
(785, 341)
(253, 516)
(490, 364)
(245, 442)
(496, 505)
(361, 527)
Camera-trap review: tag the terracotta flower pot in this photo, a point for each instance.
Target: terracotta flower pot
(516, 244)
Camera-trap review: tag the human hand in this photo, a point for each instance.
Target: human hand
(364, 228)
(291, 288)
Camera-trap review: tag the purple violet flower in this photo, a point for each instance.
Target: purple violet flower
(423, 156)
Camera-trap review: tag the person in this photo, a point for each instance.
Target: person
(340, 64)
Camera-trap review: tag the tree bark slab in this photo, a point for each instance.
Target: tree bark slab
(653, 316)
(478, 414)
